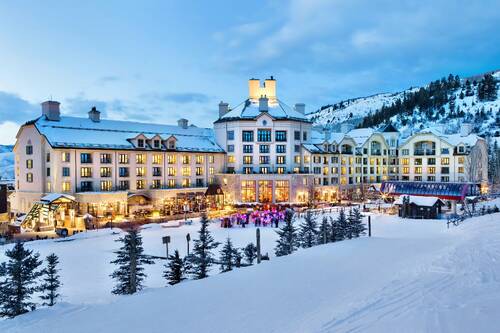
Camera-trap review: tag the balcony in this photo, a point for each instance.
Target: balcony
(424, 152)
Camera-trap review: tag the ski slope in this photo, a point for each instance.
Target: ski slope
(411, 276)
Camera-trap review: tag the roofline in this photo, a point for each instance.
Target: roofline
(224, 120)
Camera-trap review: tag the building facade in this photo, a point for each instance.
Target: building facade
(260, 152)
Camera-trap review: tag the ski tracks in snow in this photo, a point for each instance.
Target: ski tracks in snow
(455, 291)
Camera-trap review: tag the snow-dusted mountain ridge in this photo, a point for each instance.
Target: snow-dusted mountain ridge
(448, 101)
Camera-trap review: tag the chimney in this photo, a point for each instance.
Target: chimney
(51, 111)
(254, 89)
(300, 108)
(263, 104)
(182, 123)
(223, 109)
(465, 129)
(270, 88)
(95, 115)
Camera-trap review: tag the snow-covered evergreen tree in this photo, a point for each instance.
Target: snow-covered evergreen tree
(250, 253)
(288, 241)
(201, 259)
(51, 281)
(18, 278)
(175, 269)
(324, 231)
(356, 225)
(308, 231)
(228, 256)
(130, 260)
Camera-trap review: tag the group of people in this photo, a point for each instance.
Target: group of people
(260, 218)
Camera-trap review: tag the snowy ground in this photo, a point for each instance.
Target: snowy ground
(412, 276)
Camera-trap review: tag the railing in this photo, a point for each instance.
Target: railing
(422, 152)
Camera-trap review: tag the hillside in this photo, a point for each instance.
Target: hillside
(6, 162)
(416, 276)
(448, 101)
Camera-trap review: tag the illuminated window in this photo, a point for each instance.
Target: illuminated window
(282, 190)
(199, 171)
(460, 169)
(186, 171)
(280, 170)
(247, 159)
(172, 171)
(248, 191)
(461, 160)
(186, 159)
(106, 185)
(140, 171)
(231, 159)
(105, 172)
(106, 158)
(432, 170)
(29, 177)
(211, 159)
(445, 161)
(66, 157)
(140, 158)
(85, 172)
(211, 170)
(123, 158)
(66, 186)
(171, 183)
(156, 184)
(157, 159)
(171, 159)
(418, 170)
(405, 161)
(307, 158)
(140, 184)
(186, 182)
(265, 191)
(280, 160)
(199, 159)
(29, 164)
(296, 159)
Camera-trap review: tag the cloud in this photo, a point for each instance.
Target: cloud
(15, 108)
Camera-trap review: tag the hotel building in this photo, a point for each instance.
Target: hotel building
(260, 151)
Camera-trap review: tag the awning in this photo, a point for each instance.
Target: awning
(57, 197)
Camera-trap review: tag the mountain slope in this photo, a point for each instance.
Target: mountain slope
(448, 101)
(410, 277)
(6, 162)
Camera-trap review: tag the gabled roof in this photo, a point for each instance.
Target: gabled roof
(389, 128)
(74, 132)
(249, 109)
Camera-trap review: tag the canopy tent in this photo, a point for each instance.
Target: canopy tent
(446, 191)
(57, 198)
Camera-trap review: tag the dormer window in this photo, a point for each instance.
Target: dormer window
(156, 143)
(140, 143)
(461, 149)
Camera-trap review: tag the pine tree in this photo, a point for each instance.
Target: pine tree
(51, 280)
(228, 256)
(130, 260)
(175, 269)
(356, 224)
(250, 253)
(18, 281)
(308, 231)
(201, 258)
(288, 240)
(324, 232)
(339, 227)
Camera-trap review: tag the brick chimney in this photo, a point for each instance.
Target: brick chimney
(51, 111)
(223, 109)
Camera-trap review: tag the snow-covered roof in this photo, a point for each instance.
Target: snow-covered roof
(360, 135)
(453, 139)
(55, 196)
(249, 109)
(312, 148)
(418, 200)
(74, 132)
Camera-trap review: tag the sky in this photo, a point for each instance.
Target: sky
(158, 61)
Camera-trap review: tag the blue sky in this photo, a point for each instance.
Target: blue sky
(162, 60)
